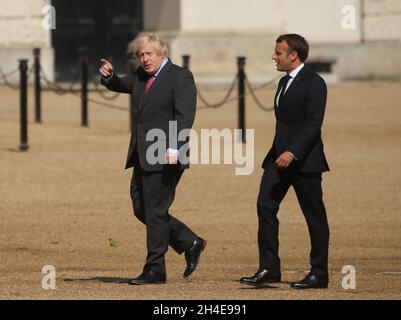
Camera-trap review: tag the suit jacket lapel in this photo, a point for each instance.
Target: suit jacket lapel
(153, 88)
(143, 77)
(280, 84)
(295, 81)
(293, 84)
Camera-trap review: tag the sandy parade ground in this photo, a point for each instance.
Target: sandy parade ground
(64, 199)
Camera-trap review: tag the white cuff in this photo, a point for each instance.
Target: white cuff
(171, 150)
(106, 79)
(292, 155)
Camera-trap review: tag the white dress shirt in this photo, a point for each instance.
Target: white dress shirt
(292, 74)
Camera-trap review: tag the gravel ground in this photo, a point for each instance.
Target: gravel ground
(63, 200)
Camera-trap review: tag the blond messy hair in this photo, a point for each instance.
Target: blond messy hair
(139, 42)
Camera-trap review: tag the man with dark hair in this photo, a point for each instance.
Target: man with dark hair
(295, 159)
(295, 43)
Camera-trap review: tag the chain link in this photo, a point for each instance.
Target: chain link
(4, 78)
(54, 87)
(253, 95)
(222, 102)
(101, 92)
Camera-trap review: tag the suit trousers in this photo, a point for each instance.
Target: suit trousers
(308, 188)
(152, 194)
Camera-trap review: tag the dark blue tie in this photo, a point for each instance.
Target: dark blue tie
(285, 80)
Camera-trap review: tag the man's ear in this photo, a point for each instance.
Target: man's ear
(294, 56)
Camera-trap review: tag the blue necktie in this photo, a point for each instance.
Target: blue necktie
(285, 80)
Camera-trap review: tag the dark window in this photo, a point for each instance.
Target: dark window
(320, 66)
(104, 27)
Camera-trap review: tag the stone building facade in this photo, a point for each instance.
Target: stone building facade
(359, 39)
(20, 31)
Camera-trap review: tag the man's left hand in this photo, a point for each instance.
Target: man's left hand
(284, 160)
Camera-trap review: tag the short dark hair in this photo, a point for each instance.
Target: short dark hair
(296, 43)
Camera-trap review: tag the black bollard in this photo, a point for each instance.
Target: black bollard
(23, 67)
(185, 61)
(38, 108)
(241, 97)
(84, 86)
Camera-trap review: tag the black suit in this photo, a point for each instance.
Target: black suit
(171, 97)
(299, 117)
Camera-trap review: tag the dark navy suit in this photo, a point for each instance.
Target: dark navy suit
(299, 118)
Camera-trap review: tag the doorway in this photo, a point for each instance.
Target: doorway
(104, 27)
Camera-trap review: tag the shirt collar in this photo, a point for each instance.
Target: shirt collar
(164, 61)
(294, 72)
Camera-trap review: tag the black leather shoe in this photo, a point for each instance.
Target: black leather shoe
(311, 282)
(149, 277)
(192, 256)
(261, 277)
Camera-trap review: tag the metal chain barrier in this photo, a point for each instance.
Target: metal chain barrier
(61, 91)
(4, 78)
(251, 91)
(222, 102)
(206, 105)
(8, 84)
(52, 86)
(102, 93)
(240, 80)
(253, 95)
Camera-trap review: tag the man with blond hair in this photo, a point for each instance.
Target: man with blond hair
(163, 93)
